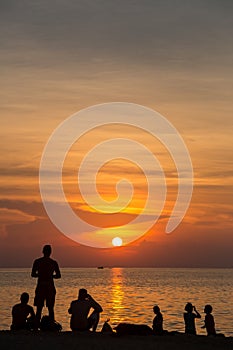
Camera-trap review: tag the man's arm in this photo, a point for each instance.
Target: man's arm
(96, 306)
(204, 326)
(70, 308)
(32, 313)
(57, 271)
(197, 313)
(34, 272)
(13, 311)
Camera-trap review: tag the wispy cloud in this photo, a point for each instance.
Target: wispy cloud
(13, 217)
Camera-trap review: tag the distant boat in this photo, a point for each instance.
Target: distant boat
(100, 267)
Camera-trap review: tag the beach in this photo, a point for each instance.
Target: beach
(90, 341)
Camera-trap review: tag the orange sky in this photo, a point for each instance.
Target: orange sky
(56, 61)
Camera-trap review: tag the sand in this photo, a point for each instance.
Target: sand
(69, 341)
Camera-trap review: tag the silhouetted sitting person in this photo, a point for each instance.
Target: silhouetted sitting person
(157, 321)
(209, 321)
(46, 270)
(189, 318)
(23, 315)
(79, 310)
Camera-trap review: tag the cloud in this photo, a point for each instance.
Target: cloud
(153, 25)
(13, 217)
(28, 208)
(85, 41)
(15, 171)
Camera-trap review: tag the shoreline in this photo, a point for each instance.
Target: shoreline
(25, 340)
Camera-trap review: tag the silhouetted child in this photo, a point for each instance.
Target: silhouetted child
(20, 313)
(209, 321)
(189, 318)
(157, 321)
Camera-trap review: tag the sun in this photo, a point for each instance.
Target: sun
(117, 242)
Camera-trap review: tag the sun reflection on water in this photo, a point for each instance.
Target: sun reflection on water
(117, 295)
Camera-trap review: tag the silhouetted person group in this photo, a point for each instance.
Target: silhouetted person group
(46, 270)
(189, 320)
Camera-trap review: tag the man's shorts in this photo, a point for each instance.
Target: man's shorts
(45, 293)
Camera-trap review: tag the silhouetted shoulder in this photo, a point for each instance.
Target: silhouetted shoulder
(74, 302)
(54, 261)
(15, 308)
(51, 262)
(36, 261)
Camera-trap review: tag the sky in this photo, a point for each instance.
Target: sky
(173, 56)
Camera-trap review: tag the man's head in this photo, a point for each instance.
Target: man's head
(82, 294)
(208, 309)
(156, 309)
(24, 298)
(189, 307)
(47, 250)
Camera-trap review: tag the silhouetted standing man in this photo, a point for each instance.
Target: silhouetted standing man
(46, 270)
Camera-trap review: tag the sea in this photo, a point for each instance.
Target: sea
(129, 294)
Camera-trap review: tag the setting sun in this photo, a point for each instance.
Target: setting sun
(117, 242)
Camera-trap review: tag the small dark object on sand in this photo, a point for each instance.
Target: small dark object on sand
(107, 329)
(47, 324)
(133, 329)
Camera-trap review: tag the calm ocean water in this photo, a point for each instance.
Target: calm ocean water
(128, 294)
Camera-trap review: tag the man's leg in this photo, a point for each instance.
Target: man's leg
(50, 302)
(38, 315)
(39, 303)
(93, 320)
(51, 312)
